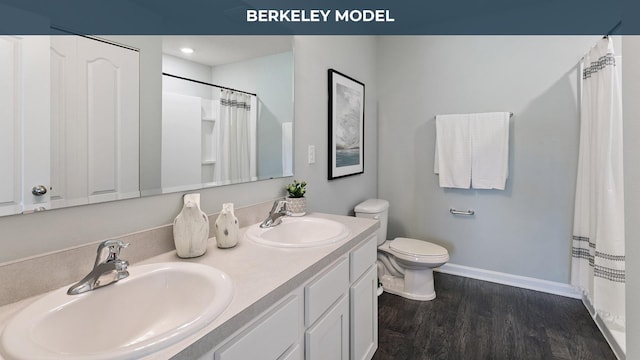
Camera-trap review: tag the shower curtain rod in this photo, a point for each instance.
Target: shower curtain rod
(206, 83)
(613, 29)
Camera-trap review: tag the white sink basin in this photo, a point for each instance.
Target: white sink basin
(299, 232)
(156, 306)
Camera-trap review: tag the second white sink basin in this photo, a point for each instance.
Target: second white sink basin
(156, 306)
(299, 232)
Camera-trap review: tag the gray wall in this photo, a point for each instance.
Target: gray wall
(354, 56)
(631, 111)
(27, 235)
(526, 229)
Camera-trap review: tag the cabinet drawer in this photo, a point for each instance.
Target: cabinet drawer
(322, 292)
(363, 257)
(269, 338)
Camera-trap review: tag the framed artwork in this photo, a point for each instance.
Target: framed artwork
(346, 125)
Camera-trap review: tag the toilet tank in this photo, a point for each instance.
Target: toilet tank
(375, 209)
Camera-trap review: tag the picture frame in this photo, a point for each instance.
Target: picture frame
(346, 125)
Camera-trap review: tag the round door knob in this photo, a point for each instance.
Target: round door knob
(39, 190)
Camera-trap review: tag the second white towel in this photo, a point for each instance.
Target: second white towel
(489, 150)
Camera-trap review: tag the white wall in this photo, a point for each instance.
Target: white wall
(27, 235)
(526, 229)
(354, 56)
(190, 70)
(631, 114)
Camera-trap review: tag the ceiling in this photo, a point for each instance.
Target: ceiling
(217, 50)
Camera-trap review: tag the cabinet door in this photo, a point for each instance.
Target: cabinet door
(364, 316)
(329, 337)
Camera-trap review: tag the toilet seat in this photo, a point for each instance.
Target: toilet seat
(418, 250)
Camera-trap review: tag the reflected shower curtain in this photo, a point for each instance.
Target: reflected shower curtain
(235, 158)
(598, 256)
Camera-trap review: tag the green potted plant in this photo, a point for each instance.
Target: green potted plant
(296, 202)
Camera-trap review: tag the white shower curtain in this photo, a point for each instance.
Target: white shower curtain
(236, 128)
(598, 257)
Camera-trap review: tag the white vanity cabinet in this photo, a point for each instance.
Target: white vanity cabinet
(333, 316)
(327, 313)
(363, 310)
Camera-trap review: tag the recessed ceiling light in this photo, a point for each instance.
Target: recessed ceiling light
(187, 50)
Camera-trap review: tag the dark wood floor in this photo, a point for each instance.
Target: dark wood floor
(475, 320)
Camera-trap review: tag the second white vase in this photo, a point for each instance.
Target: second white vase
(227, 227)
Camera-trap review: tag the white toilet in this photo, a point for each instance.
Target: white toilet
(405, 266)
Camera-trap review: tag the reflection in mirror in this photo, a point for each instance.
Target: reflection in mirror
(70, 116)
(208, 134)
(69, 119)
(227, 111)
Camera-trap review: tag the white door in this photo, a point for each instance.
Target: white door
(108, 103)
(95, 121)
(24, 123)
(68, 145)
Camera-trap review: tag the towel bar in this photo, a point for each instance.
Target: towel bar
(459, 212)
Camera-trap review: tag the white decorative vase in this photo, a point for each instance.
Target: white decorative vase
(191, 228)
(227, 227)
(297, 206)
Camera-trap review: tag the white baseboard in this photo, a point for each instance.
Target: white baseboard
(546, 286)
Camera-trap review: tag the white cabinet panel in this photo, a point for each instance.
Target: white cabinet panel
(269, 339)
(363, 316)
(296, 353)
(325, 290)
(362, 257)
(329, 337)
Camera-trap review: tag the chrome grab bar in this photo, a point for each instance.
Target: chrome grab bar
(459, 212)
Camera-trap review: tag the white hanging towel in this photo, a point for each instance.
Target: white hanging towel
(489, 150)
(453, 151)
(472, 150)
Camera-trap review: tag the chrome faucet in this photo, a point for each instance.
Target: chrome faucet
(105, 270)
(278, 210)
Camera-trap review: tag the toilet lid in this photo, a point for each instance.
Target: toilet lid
(416, 247)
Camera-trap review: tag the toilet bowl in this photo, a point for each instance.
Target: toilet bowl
(405, 266)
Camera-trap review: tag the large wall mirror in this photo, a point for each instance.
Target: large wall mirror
(70, 129)
(227, 110)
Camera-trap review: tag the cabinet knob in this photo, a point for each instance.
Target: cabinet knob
(39, 190)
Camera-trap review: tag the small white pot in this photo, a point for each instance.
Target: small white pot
(297, 206)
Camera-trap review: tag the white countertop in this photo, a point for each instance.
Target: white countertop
(261, 276)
